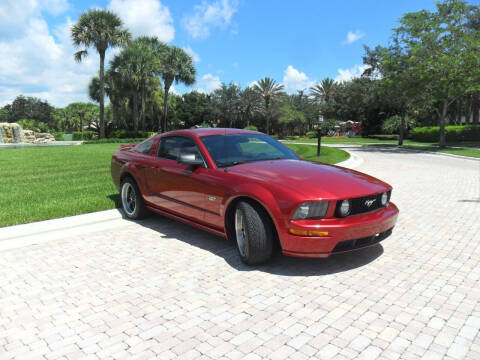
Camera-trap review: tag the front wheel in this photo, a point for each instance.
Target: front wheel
(132, 200)
(253, 233)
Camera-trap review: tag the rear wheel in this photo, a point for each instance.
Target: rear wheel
(253, 233)
(132, 200)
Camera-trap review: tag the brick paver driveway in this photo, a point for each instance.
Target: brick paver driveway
(159, 288)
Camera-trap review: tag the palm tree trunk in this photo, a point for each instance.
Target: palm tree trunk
(102, 94)
(268, 115)
(135, 114)
(165, 107)
(142, 108)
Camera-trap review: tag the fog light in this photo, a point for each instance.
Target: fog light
(384, 199)
(345, 208)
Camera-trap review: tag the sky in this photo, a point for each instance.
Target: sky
(298, 43)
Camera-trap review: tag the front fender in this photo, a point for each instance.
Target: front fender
(260, 194)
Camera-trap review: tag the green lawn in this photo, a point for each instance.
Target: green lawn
(329, 155)
(40, 183)
(466, 148)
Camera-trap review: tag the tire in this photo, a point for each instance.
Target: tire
(133, 204)
(253, 232)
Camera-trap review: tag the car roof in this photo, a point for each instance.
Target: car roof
(212, 131)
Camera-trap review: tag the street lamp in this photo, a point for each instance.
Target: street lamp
(319, 133)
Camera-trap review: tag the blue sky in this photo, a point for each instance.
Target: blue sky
(295, 42)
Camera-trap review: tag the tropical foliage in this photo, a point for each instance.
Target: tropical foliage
(99, 29)
(427, 75)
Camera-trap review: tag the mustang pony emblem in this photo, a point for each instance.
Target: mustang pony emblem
(370, 202)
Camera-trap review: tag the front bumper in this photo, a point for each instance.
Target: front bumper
(345, 234)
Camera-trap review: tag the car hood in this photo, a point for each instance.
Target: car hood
(312, 180)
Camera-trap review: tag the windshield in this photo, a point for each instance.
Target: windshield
(233, 149)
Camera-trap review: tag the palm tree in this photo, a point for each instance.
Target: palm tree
(177, 66)
(249, 102)
(136, 67)
(269, 90)
(323, 91)
(99, 29)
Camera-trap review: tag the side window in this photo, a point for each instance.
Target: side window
(145, 146)
(172, 146)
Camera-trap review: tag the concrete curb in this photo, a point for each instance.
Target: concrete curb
(16, 236)
(344, 146)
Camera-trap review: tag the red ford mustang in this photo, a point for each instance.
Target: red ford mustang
(246, 186)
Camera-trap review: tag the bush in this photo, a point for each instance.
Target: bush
(129, 134)
(392, 124)
(250, 127)
(311, 134)
(452, 132)
(58, 135)
(86, 135)
(383, 137)
(115, 140)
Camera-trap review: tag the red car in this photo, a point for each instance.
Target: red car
(246, 186)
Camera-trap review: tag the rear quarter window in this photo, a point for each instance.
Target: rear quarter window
(144, 147)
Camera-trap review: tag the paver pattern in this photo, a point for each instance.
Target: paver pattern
(158, 288)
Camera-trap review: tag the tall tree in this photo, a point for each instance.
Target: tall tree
(137, 65)
(442, 53)
(99, 29)
(323, 91)
(269, 91)
(177, 66)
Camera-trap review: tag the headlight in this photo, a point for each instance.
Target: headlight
(345, 208)
(384, 199)
(311, 210)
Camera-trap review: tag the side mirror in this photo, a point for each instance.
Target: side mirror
(189, 159)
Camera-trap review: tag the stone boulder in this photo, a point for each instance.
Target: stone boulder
(43, 138)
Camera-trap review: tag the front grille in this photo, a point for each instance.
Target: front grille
(354, 244)
(360, 205)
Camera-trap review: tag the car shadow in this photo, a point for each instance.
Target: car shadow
(278, 265)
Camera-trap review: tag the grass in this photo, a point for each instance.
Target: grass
(465, 148)
(329, 155)
(40, 183)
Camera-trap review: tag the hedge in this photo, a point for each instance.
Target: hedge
(128, 134)
(85, 135)
(453, 133)
(115, 140)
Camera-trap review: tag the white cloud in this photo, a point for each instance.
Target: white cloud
(15, 15)
(193, 54)
(39, 62)
(349, 74)
(207, 16)
(294, 80)
(354, 36)
(145, 17)
(207, 83)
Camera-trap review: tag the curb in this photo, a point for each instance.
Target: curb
(39, 232)
(343, 146)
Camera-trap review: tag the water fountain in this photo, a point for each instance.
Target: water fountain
(10, 133)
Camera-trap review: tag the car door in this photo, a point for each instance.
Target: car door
(175, 187)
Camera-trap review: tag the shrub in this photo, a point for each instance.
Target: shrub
(452, 132)
(383, 137)
(311, 134)
(58, 135)
(392, 124)
(86, 135)
(250, 127)
(115, 140)
(124, 134)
